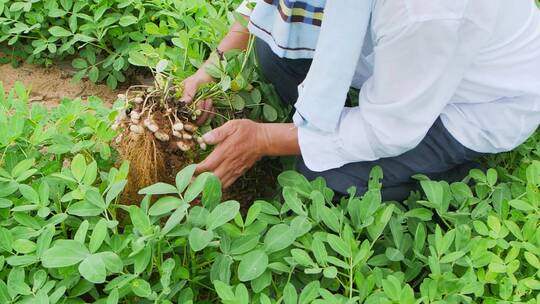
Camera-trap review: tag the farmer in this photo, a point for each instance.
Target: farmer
(441, 82)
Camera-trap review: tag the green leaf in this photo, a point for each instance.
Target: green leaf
(56, 13)
(158, 189)
(93, 269)
(165, 205)
(319, 251)
(4, 294)
(93, 74)
(452, 257)
(292, 201)
(532, 259)
(420, 213)
(532, 284)
(113, 297)
(392, 288)
(79, 63)
(199, 239)
(212, 192)
(141, 288)
(64, 253)
(491, 176)
(278, 237)
(252, 214)
(521, 205)
(98, 235)
(94, 197)
(112, 261)
(330, 272)
(300, 225)
(339, 245)
(15, 282)
(24, 246)
(29, 194)
(22, 166)
(241, 294)
(84, 208)
(224, 291)
(115, 190)
(119, 64)
(302, 257)
(58, 31)
(195, 189)
(290, 296)
(238, 102)
(175, 219)
(222, 214)
(309, 293)
(127, 20)
(140, 220)
(44, 240)
(434, 191)
(183, 178)
(270, 113)
(394, 254)
(263, 281)
(244, 244)
(252, 265)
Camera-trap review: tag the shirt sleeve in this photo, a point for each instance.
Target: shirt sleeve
(245, 7)
(417, 69)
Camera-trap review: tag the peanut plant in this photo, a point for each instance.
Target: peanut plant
(65, 238)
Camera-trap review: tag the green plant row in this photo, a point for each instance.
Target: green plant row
(100, 34)
(107, 39)
(64, 237)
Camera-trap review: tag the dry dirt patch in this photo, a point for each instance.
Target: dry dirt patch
(50, 85)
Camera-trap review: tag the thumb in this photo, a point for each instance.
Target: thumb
(218, 135)
(190, 89)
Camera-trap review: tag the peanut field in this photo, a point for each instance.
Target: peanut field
(99, 202)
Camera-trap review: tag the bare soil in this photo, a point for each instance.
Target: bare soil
(49, 85)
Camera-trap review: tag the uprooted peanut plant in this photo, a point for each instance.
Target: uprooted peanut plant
(157, 131)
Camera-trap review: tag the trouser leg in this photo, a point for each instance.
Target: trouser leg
(284, 74)
(438, 156)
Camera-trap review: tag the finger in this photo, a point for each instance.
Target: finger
(229, 182)
(218, 135)
(190, 89)
(206, 108)
(225, 176)
(211, 162)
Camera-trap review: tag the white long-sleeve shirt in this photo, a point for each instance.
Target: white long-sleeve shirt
(474, 63)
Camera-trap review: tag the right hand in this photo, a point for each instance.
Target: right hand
(190, 86)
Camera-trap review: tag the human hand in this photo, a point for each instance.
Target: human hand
(190, 86)
(240, 144)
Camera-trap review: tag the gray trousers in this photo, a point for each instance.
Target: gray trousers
(439, 156)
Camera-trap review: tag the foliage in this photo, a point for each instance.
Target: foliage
(105, 38)
(62, 240)
(102, 33)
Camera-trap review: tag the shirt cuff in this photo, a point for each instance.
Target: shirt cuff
(323, 151)
(244, 7)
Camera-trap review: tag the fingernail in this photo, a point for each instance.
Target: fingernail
(209, 137)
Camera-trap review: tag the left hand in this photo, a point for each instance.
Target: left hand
(240, 144)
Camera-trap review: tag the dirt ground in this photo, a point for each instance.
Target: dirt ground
(50, 84)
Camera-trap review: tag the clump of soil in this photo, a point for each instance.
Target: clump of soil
(158, 136)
